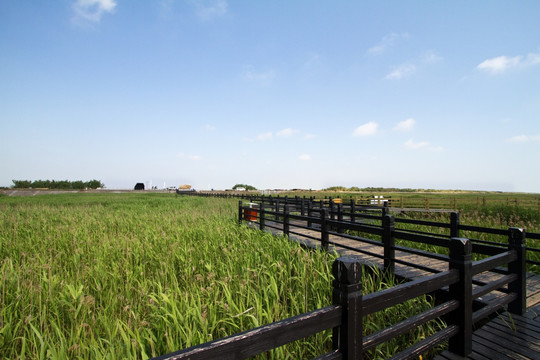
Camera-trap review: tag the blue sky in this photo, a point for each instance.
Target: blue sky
(276, 94)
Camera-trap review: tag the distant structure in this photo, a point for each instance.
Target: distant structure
(184, 188)
(139, 186)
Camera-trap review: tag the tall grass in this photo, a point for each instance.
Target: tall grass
(134, 276)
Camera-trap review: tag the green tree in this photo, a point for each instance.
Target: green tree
(245, 186)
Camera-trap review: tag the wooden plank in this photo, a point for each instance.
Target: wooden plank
(384, 335)
(447, 355)
(523, 321)
(515, 337)
(490, 351)
(389, 297)
(509, 346)
(428, 343)
(518, 332)
(252, 342)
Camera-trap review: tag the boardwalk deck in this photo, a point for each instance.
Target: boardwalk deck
(504, 337)
(363, 250)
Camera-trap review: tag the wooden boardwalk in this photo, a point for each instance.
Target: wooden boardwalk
(504, 337)
(301, 236)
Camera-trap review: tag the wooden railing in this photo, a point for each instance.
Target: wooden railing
(350, 306)
(338, 219)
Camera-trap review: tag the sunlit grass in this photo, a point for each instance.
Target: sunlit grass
(132, 276)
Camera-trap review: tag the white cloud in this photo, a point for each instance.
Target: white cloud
(93, 10)
(532, 59)
(304, 157)
(181, 155)
(260, 77)
(430, 57)
(367, 129)
(410, 144)
(209, 10)
(265, 136)
(208, 127)
(405, 125)
(310, 136)
(499, 64)
(523, 138)
(401, 72)
(286, 132)
(386, 42)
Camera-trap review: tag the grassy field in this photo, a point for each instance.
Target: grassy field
(131, 276)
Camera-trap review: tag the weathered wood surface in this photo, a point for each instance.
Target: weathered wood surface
(505, 337)
(253, 342)
(302, 235)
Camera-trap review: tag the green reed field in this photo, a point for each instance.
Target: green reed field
(132, 276)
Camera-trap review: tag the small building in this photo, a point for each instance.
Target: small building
(139, 186)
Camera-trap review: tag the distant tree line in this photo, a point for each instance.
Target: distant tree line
(369, 189)
(57, 184)
(247, 187)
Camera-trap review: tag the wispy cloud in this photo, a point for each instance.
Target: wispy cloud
(386, 42)
(430, 57)
(93, 10)
(166, 8)
(208, 127)
(265, 136)
(404, 70)
(523, 138)
(367, 129)
(313, 61)
(286, 132)
(405, 125)
(181, 155)
(310, 136)
(209, 10)
(501, 64)
(259, 77)
(410, 144)
(304, 157)
(401, 71)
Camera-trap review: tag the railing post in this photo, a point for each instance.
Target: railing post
(454, 224)
(261, 216)
(461, 259)
(286, 220)
(389, 243)
(302, 207)
(239, 212)
(324, 229)
(276, 209)
(353, 219)
(516, 241)
(347, 338)
(309, 213)
(339, 217)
